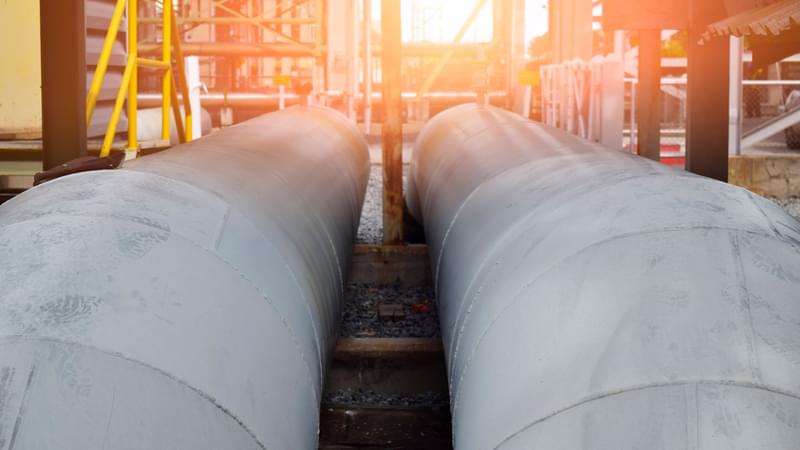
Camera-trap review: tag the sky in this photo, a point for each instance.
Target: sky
(445, 17)
(535, 18)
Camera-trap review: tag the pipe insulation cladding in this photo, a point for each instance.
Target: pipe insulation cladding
(592, 299)
(187, 301)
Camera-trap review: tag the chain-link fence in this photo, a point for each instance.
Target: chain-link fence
(673, 116)
(762, 102)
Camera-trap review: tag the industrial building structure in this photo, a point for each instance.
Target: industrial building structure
(399, 224)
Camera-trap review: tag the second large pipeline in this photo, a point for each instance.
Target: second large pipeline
(592, 299)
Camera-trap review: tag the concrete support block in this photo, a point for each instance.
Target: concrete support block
(767, 175)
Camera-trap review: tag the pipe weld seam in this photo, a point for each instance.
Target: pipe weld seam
(657, 385)
(231, 266)
(475, 276)
(516, 296)
(283, 181)
(13, 339)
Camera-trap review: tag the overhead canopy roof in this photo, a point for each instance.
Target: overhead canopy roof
(773, 20)
(773, 31)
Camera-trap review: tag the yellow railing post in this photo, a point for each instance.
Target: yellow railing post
(166, 57)
(179, 66)
(105, 56)
(111, 131)
(176, 113)
(133, 85)
(130, 83)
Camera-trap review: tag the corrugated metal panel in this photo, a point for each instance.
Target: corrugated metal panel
(98, 16)
(20, 78)
(20, 89)
(768, 20)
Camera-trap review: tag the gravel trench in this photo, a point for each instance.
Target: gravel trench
(361, 397)
(790, 205)
(360, 313)
(370, 229)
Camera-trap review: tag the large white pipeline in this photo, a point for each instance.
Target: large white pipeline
(591, 299)
(187, 301)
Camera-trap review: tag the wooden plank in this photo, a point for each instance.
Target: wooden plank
(390, 366)
(393, 367)
(391, 61)
(407, 265)
(343, 427)
(19, 168)
(31, 150)
(388, 348)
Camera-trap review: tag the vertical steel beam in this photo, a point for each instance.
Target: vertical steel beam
(707, 94)
(133, 85)
(352, 59)
(367, 61)
(509, 34)
(516, 59)
(166, 81)
(391, 40)
(63, 53)
(649, 99)
(571, 29)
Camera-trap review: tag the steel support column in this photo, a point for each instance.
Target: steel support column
(63, 53)
(367, 56)
(352, 59)
(649, 98)
(707, 94)
(392, 123)
(571, 29)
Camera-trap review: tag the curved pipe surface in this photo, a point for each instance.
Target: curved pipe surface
(592, 299)
(187, 301)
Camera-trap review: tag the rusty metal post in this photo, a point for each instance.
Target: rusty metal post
(392, 123)
(63, 53)
(649, 98)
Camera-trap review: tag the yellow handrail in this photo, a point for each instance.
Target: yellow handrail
(153, 63)
(166, 56)
(176, 111)
(187, 105)
(129, 85)
(133, 84)
(111, 131)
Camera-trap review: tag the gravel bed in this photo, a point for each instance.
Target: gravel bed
(360, 312)
(360, 397)
(370, 229)
(790, 205)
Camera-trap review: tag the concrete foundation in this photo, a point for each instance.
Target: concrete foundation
(767, 175)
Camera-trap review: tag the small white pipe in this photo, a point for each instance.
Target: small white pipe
(735, 115)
